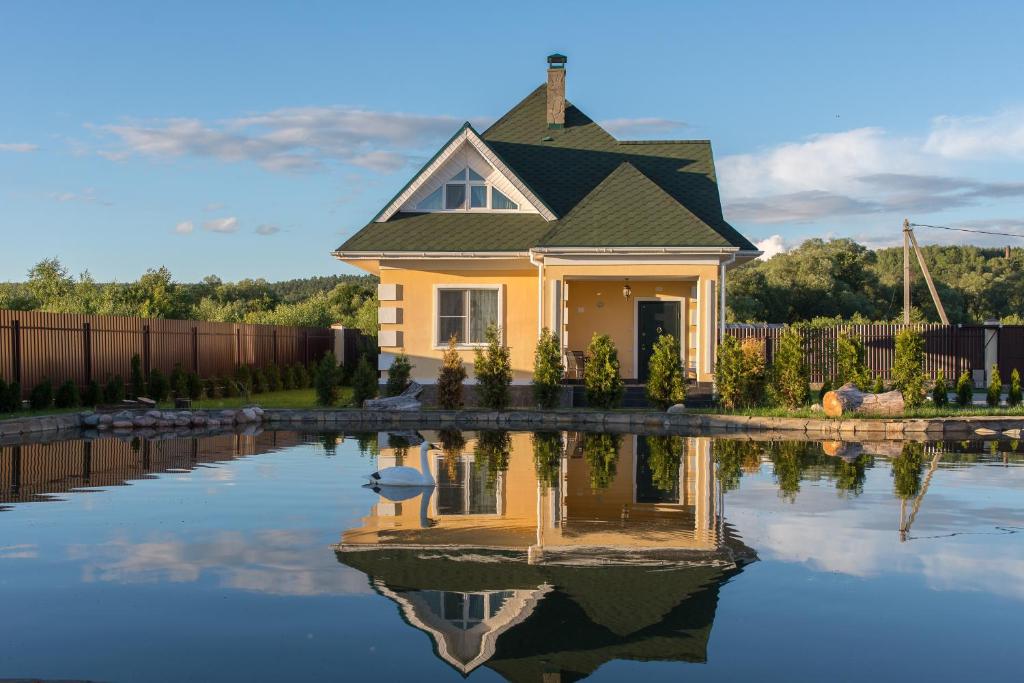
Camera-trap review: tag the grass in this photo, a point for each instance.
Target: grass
(294, 399)
(925, 411)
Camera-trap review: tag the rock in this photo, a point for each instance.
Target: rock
(183, 422)
(105, 419)
(198, 421)
(143, 421)
(91, 420)
(122, 424)
(227, 416)
(212, 422)
(259, 411)
(249, 414)
(146, 401)
(155, 414)
(122, 416)
(185, 414)
(164, 424)
(1012, 433)
(816, 408)
(677, 408)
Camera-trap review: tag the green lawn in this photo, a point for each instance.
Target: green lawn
(295, 398)
(926, 411)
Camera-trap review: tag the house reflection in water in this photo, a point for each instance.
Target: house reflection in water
(544, 556)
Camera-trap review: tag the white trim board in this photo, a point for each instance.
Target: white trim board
(466, 136)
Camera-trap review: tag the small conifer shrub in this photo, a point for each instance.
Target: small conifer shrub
(601, 376)
(493, 370)
(547, 370)
(450, 377)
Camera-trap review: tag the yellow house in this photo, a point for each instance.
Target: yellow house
(547, 220)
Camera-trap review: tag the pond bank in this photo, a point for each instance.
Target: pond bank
(870, 429)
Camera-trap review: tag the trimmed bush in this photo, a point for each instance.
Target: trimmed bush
(179, 382)
(1013, 397)
(450, 377)
(940, 392)
(41, 397)
(194, 386)
(740, 373)
(158, 386)
(327, 380)
(850, 363)
(67, 395)
(301, 376)
(789, 375)
(964, 390)
(93, 394)
(259, 380)
(601, 375)
(995, 388)
(908, 367)
(230, 387)
(665, 381)
(398, 375)
(136, 380)
(113, 391)
(364, 382)
(243, 379)
(3, 396)
(273, 375)
(547, 370)
(493, 370)
(212, 388)
(879, 386)
(288, 378)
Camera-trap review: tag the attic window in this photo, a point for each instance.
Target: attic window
(466, 190)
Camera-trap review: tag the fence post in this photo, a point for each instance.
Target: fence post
(991, 348)
(87, 351)
(195, 350)
(16, 351)
(145, 350)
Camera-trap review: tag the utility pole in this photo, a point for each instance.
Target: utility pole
(910, 239)
(906, 271)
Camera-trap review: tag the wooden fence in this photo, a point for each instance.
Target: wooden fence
(35, 346)
(953, 349)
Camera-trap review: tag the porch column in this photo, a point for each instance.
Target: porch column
(707, 334)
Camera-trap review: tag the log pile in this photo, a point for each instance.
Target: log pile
(849, 399)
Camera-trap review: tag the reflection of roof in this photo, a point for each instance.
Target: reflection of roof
(658, 608)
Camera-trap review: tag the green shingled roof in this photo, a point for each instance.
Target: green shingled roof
(604, 192)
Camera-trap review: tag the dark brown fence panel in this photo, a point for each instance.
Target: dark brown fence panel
(35, 346)
(1011, 350)
(952, 349)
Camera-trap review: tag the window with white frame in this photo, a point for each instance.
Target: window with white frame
(467, 190)
(465, 313)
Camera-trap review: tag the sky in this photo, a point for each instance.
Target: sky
(250, 139)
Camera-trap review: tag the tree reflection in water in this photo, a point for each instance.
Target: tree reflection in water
(601, 451)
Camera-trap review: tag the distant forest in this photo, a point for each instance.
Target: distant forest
(845, 281)
(316, 301)
(835, 280)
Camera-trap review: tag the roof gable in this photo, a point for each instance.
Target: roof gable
(628, 209)
(439, 163)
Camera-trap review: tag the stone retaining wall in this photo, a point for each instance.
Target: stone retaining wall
(148, 423)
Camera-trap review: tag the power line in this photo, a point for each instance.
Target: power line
(974, 230)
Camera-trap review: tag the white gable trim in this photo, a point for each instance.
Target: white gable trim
(467, 135)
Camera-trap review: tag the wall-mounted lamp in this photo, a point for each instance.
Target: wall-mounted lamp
(627, 291)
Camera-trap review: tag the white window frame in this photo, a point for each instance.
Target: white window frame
(436, 314)
(468, 199)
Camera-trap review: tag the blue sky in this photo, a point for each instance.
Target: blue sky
(248, 139)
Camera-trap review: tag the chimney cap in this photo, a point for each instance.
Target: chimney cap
(557, 61)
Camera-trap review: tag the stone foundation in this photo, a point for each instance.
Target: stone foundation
(522, 396)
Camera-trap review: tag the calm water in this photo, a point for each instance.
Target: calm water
(549, 557)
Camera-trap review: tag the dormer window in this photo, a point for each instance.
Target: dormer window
(467, 190)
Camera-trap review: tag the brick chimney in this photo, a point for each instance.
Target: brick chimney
(556, 90)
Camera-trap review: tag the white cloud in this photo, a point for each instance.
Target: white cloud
(18, 147)
(641, 126)
(184, 228)
(86, 196)
(865, 171)
(267, 229)
(978, 137)
(771, 246)
(222, 225)
(290, 139)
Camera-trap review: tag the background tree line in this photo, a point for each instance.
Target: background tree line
(845, 280)
(317, 301)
